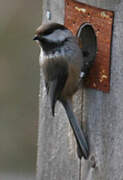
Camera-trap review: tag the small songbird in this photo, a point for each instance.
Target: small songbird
(62, 61)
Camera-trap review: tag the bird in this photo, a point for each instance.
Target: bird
(62, 62)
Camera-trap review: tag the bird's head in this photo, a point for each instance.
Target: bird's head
(50, 36)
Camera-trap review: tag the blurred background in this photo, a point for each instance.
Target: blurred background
(19, 88)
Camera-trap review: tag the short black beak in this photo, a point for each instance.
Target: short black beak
(35, 38)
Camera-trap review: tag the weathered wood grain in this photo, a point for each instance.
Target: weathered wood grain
(102, 112)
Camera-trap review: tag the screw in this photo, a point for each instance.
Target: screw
(48, 15)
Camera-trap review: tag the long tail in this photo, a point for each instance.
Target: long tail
(78, 132)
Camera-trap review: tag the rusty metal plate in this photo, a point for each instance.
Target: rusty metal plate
(76, 14)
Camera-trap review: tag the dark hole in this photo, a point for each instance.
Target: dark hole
(85, 53)
(87, 37)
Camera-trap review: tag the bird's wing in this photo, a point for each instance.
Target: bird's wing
(56, 74)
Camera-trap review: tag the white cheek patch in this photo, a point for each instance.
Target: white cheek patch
(58, 35)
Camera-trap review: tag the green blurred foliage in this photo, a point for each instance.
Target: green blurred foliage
(19, 84)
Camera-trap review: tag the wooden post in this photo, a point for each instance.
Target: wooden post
(103, 113)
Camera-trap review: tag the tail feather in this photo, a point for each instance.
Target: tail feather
(78, 132)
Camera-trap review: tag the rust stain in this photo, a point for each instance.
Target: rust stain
(76, 14)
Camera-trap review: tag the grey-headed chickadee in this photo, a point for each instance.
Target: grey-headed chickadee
(62, 60)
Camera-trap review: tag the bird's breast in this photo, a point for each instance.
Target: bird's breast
(72, 82)
(54, 54)
(42, 57)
